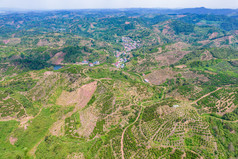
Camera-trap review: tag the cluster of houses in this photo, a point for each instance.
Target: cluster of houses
(120, 63)
(129, 44)
(90, 64)
(118, 53)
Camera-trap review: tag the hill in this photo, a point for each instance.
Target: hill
(129, 83)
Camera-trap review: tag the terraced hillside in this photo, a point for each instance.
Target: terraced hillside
(118, 84)
(102, 112)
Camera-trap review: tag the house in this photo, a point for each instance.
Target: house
(175, 106)
(85, 62)
(146, 80)
(117, 64)
(96, 63)
(122, 65)
(91, 64)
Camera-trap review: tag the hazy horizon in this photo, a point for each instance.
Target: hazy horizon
(115, 4)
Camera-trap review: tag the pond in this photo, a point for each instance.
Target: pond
(57, 67)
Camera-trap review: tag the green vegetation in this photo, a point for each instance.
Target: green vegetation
(225, 137)
(37, 129)
(74, 54)
(72, 123)
(106, 73)
(6, 130)
(180, 27)
(233, 116)
(163, 84)
(220, 101)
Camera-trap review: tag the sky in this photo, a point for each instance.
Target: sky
(92, 4)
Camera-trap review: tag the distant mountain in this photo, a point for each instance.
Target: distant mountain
(200, 10)
(203, 10)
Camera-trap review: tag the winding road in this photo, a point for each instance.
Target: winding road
(194, 102)
(122, 137)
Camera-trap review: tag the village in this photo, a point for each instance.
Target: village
(124, 56)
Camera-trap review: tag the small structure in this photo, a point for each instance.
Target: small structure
(91, 64)
(175, 106)
(122, 65)
(85, 62)
(146, 80)
(117, 64)
(96, 63)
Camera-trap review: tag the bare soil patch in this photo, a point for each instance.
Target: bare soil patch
(176, 95)
(80, 97)
(88, 121)
(58, 58)
(218, 42)
(167, 30)
(48, 73)
(207, 56)
(177, 46)
(12, 140)
(170, 57)
(24, 122)
(164, 110)
(160, 76)
(191, 75)
(213, 35)
(6, 41)
(181, 16)
(12, 41)
(204, 42)
(57, 128)
(230, 39)
(43, 42)
(91, 25)
(181, 66)
(213, 73)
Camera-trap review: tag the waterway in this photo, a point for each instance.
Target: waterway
(57, 67)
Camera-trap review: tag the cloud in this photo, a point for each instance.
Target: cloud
(79, 4)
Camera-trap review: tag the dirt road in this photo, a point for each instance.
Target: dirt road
(122, 137)
(194, 102)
